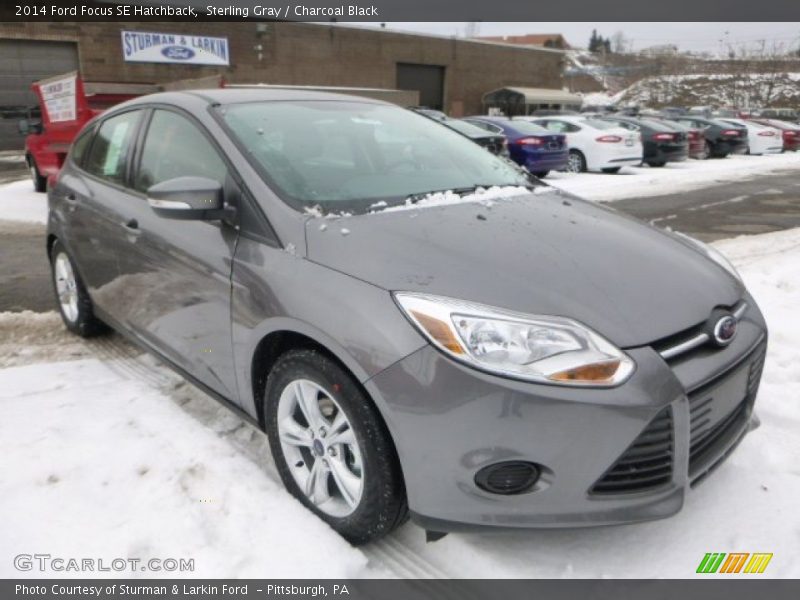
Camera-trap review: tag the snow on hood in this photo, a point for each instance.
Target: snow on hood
(481, 195)
(485, 196)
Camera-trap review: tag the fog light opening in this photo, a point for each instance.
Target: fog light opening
(508, 478)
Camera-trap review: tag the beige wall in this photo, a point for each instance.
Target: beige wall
(305, 54)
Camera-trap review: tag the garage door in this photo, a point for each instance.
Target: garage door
(428, 80)
(21, 63)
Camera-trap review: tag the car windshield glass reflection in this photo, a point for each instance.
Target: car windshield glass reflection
(350, 155)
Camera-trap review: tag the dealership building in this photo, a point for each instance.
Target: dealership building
(448, 73)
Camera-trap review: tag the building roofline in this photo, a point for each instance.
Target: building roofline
(438, 36)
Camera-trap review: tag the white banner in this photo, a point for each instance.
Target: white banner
(59, 98)
(149, 47)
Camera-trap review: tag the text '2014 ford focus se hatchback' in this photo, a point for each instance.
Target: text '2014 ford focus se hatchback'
(419, 326)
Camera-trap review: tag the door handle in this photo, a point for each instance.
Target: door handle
(132, 227)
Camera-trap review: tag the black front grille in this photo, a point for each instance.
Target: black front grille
(705, 445)
(756, 368)
(711, 433)
(646, 464)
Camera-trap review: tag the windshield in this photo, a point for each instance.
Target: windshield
(346, 156)
(466, 128)
(528, 128)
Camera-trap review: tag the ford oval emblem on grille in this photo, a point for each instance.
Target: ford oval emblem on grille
(725, 330)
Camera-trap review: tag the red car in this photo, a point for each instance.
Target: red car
(66, 104)
(790, 132)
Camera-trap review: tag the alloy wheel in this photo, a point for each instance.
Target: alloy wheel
(574, 163)
(320, 448)
(66, 287)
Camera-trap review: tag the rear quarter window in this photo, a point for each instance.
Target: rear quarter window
(108, 156)
(78, 151)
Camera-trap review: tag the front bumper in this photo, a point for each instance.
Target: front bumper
(449, 421)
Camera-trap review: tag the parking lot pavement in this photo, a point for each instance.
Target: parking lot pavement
(746, 207)
(24, 271)
(12, 166)
(759, 204)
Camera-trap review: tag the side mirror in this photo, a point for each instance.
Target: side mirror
(196, 198)
(29, 126)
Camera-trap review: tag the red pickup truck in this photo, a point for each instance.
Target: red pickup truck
(66, 104)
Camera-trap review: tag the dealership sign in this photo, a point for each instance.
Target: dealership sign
(148, 47)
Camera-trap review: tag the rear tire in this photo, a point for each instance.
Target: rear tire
(72, 298)
(541, 174)
(358, 488)
(39, 181)
(576, 162)
(611, 170)
(657, 164)
(708, 150)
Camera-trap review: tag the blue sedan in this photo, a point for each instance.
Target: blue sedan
(532, 146)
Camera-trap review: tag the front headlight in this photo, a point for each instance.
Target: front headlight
(711, 253)
(544, 349)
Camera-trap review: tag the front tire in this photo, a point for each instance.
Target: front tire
(72, 298)
(39, 181)
(331, 447)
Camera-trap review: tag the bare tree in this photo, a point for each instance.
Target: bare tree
(619, 43)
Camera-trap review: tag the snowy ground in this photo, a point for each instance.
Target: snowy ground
(18, 202)
(632, 182)
(107, 454)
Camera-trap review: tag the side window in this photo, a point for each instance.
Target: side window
(78, 150)
(557, 126)
(175, 147)
(109, 153)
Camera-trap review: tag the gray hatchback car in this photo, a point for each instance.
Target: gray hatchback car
(419, 326)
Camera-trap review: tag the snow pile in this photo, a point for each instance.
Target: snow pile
(716, 89)
(484, 196)
(27, 337)
(632, 182)
(598, 99)
(18, 202)
(99, 465)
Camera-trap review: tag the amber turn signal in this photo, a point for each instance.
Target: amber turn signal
(594, 373)
(439, 331)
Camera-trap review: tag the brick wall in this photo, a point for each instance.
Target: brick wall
(306, 54)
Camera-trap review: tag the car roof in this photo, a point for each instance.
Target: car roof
(253, 94)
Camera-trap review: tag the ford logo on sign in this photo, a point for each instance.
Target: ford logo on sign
(177, 52)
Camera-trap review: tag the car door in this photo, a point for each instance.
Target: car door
(178, 272)
(95, 192)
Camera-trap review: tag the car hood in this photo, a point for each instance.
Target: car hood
(544, 253)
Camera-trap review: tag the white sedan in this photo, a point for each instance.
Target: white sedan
(594, 145)
(761, 139)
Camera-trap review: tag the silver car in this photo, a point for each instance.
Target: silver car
(420, 327)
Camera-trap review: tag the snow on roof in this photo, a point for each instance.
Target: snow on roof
(539, 95)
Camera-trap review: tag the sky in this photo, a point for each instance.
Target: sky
(697, 37)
